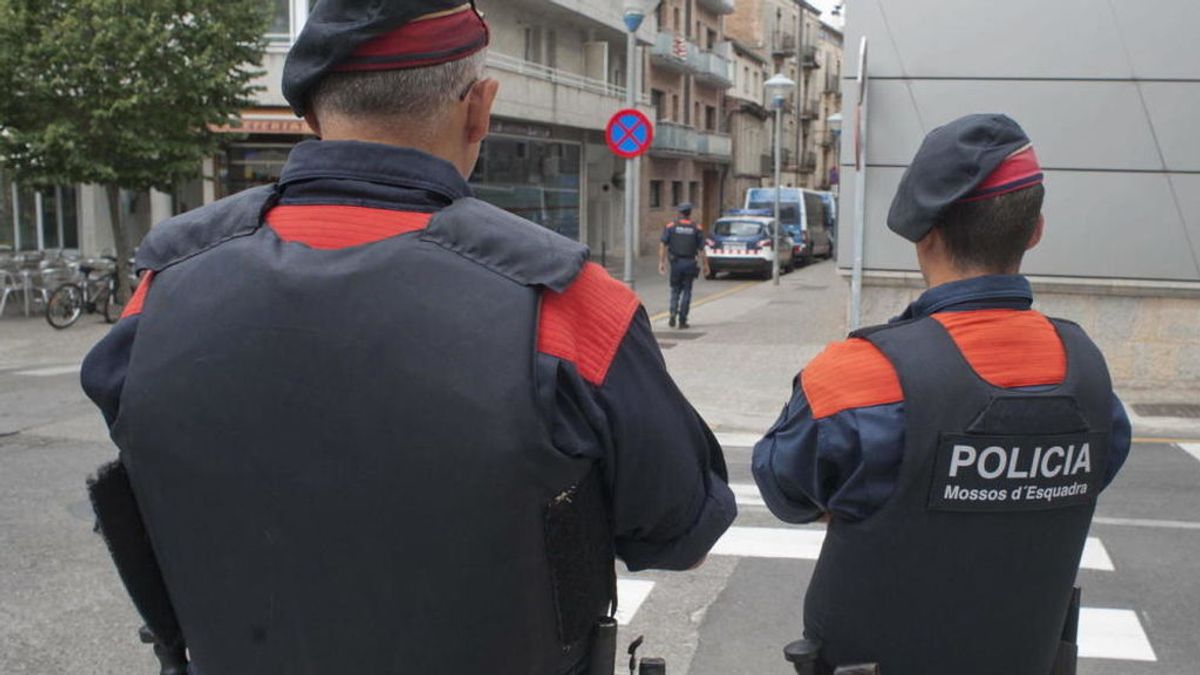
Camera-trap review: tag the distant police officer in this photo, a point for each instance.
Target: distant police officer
(957, 452)
(682, 242)
(373, 425)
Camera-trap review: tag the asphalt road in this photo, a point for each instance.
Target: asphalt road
(62, 609)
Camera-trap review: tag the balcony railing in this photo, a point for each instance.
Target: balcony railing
(783, 44)
(718, 6)
(809, 58)
(712, 67)
(719, 146)
(671, 138)
(538, 71)
(672, 51)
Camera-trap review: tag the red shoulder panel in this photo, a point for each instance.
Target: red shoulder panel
(331, 227)
(1008, 347)
(847, 375)
(586, 323)
(134, 307)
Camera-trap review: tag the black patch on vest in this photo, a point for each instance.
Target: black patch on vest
(1017, 473)
(579, 546)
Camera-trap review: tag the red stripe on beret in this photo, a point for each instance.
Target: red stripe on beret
(1019, 170)
(424, 42)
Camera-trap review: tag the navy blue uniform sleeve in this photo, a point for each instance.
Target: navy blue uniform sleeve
(844, 464)
(664, 469)
(1122, 439)
(103, 372)
(666, 235)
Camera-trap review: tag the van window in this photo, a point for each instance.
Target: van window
(814, 208)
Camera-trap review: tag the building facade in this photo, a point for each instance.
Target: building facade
(1106, 91)
(788, 37)
(688, 70)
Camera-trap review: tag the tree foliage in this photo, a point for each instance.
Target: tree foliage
(122, 92)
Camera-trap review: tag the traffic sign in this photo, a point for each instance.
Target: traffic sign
(629, 133)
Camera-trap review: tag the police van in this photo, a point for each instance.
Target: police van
(744, 241)
(803, 215)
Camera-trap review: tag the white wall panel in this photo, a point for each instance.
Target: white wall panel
(1161, 37)
(868, 20)
(1174, 109)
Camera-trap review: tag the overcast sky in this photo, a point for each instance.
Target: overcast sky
(826, 6)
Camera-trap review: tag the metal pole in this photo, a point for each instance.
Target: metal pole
(778, 129)
(630, 166)
(860, 189)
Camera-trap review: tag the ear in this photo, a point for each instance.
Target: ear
(479, 109)
(1038, 230)
(312, 123)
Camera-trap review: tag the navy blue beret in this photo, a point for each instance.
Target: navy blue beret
(974, 157)
(366, 35)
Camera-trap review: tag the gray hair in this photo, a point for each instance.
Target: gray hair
(413, 93)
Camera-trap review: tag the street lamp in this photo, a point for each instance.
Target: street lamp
(634, 14)
(778, 88)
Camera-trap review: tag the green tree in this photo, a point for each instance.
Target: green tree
(122, 93)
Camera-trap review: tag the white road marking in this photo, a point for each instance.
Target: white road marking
(1145, 522)
(631, 593)
(737, 440)
(1192, 449)
(747, 494)
(1113, 634)
(770, 542)
(50, 372)
(1095, 556)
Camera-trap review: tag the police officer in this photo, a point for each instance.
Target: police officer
(957, 451)
(681, 243)
(375, 425)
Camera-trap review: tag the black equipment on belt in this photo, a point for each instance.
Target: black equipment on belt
(683, 239)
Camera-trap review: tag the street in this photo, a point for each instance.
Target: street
(62, 609)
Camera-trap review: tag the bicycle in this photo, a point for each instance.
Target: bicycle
(91, 293)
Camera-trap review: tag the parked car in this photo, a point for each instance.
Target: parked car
(747, 244)
(803, 215)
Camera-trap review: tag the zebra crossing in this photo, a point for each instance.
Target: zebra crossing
(1110, 633)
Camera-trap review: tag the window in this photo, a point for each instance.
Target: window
(694, 192)
(287, 18)
(710, 118)
(712, 38)
(33, 220)
(535, 178)
(676, 193)
(551, 49)
(657, 99)
(656, 194)
(695, 121)
(675, 108)
(746, 79)
(533, 44)
(678, 21)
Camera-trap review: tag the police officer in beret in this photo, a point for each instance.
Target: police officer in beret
(371, 424)
(682, 242)
(957, 451)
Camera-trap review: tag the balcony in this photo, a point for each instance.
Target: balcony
(808, 162)
(673, 52)
(716, 146)
(675, 140)
(717, 6)
(783, 45)
(531, 91)
(809, 58)
(808, 111)
(713, 67)
(766, 165)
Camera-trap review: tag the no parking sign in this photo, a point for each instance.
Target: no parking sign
(629, 133)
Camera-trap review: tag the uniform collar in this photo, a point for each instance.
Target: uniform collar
(374, 163)
(996, 291)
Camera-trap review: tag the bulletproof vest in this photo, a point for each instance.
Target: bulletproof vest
(681, 241)
(339, 456)
(969, 566)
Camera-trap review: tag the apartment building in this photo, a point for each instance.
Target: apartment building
(689, 69)
(826, 84)
(786, 36)
(751, 125)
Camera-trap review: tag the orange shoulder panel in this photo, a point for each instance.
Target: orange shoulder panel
(1008, 347)
(134, 307)
(332, 226)
(586, 323)
(847, 375)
